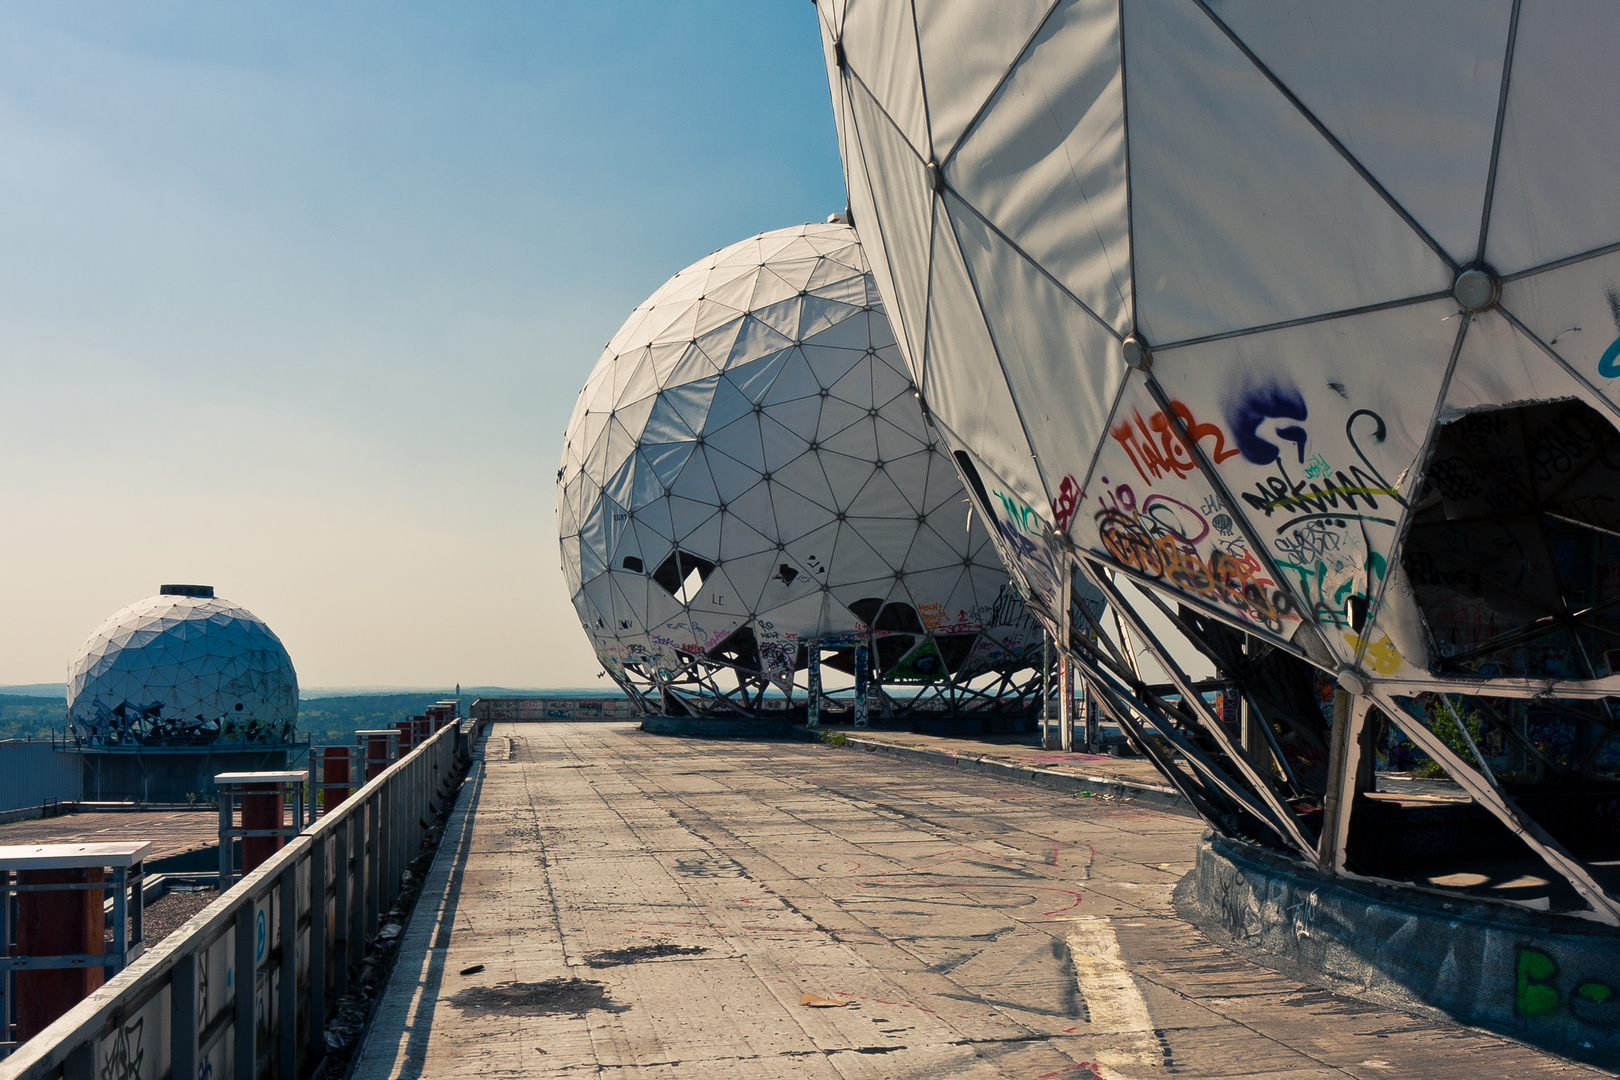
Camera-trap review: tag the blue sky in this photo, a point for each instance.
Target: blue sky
(295, 299)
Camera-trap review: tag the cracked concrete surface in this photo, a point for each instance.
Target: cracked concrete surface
(977, 927)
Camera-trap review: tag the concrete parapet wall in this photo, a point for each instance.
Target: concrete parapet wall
(1551, 980)
(521, 709)
(718, 729)
(1159, 797)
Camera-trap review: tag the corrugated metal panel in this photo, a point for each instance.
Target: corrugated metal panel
(31, 772)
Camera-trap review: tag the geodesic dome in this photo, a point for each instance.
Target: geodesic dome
(747, 476)
(1302, 317)
(183, 668)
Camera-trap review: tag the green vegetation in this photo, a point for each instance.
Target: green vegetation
(332, 721)
(30, 717)
(329, 721)
(1443, 722)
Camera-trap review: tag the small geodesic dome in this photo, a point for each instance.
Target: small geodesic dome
(183, 668)
(748, 475)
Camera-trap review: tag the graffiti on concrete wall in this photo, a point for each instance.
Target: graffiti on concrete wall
(1538, 992)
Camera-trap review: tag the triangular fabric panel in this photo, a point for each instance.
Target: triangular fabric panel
(1047, 164)
(1560, 147)
(1242, 215)
(1411, 90)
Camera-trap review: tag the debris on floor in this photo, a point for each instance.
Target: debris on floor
(823, 1003)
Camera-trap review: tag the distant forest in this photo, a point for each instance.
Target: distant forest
(329, 721)
(30, 717)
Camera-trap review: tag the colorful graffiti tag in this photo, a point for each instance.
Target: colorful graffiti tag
(1158, 539)
(1157, 449)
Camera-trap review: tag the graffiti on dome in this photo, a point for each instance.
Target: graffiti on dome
(1025, 537)
(1609, 362)
(1330, 566)
(1067, 502)
(1264, 416)
(1156, 447)
(1157, 536)
(1324, 493)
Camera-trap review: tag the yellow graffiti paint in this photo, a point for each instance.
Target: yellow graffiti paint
(1382, 656)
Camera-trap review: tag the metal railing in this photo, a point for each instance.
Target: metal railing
(185, 1009)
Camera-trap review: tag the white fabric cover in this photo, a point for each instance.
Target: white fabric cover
(1277, 196)
(178, 669)
(755, 413)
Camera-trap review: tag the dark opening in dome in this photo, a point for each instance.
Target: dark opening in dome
(1514, 549)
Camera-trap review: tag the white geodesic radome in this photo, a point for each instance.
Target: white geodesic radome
(1304, 316)
(747, 473)
(183, 668)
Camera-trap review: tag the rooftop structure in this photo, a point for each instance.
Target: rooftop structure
(183, 668)
(1296, 327)
(748, 480)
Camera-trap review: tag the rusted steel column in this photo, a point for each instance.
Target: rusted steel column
(56, 924)
(336, 771)
(377, 756)
(261, 809)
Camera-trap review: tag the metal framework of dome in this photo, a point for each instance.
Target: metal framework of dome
(1294, 325)
(183, 668)
(748, 482)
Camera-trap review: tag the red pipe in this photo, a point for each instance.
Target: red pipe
(261, 809)
(56, 924)
(335, 770)
(376, 756)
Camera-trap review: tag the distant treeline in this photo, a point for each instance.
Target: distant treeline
(30, 717)
(328, 721)
(332, 721)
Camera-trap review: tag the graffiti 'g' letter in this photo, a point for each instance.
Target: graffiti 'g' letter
(1254, 407)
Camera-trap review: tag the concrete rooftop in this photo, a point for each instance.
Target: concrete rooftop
(612, 903)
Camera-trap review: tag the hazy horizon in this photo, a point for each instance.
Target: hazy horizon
(298, 299)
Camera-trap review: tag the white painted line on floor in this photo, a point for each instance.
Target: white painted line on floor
(1119, 1014)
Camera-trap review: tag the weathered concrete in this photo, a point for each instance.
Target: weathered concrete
(170, 832)
(1550, 979)
(626, 903)
(1092, 774)
(703, 727)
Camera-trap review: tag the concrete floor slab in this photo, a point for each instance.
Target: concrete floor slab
(658, 906)
(170, 832)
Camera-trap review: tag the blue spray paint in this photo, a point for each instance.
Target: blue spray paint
(1609, 364)
(1257, 405)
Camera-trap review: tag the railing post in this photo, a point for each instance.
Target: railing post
(7, 999)
(319, 852)
(373, 863)
(287, 969)
(183, 1017)
(385, 851)
(340, 906)
(226, 863)
(244, 1022)
(354, 839)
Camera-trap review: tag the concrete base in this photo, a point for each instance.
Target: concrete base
(703, 728)
(1159, 796)
(1551, 980)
